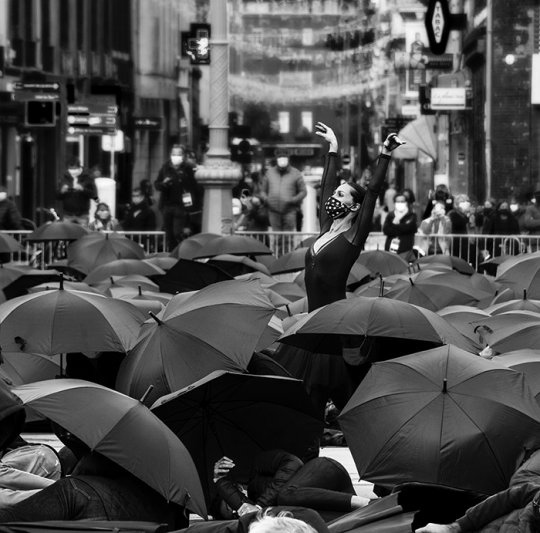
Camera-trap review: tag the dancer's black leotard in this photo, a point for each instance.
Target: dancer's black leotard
(327, 269)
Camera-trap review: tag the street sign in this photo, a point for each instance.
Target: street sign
(32, 91)
(449, 98)
(439, 21)
(147, 123)
(113, 143)
(96, 115)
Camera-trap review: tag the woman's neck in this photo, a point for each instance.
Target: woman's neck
(341, 224)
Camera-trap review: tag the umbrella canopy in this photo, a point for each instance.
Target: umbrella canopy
(234, 245)
(526, 361)
(189, 275)
(521, 272)
(239, 415)
(16, 279)
(57, 231)
(122, 267)
(462, 318)
(420, 133)
(218, 327)
(19, 367)
(237, 265)
(164, 262)
(9, 245)
(319, 331)
(288, 289)
(123, 430)
(123, 292)
(384, 263)
(290, 262)
(491, 265)
(512, 330)
(523, 304)
(69, 285)
(131, 281)
(60, 321)
(97, 248)
(456, 263)
(188, 248)
(441, 416)
(435, 290)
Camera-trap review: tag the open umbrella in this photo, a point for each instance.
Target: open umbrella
(435, 290)
(239, 415)
(130, 281)
(189, 275)
(188, 248)
(234, 245)
(512, 330)
(320, 330)
(57, 231)
(453, 262)
(60, 321)
(218, 327)
(526, 361)
(16, 279)
(382, 262)
(8, 245)
(69, 285)
(123, 430)
(20, 367)
(123, 292)
(164, 262)
(441, 416)
(122, 267)
(288, 289)
(523, 304)
(521, 272)
(236, 265)
(290, 262)
(462, 318)
(97, 248)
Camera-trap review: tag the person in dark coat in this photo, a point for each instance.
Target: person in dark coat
(75, 191)
(502, 222)
(460, 216)
(400, 227)
(140, 216)
(10, 217)
(180, 200)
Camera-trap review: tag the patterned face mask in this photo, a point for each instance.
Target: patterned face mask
(335, 208)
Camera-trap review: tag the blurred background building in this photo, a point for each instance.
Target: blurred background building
(74, 71)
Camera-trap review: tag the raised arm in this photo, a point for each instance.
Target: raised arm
(329, 180)
(361, 227)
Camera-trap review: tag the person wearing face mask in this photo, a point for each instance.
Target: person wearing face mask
(180, 200)
(503, 222)
(436, 226)
(140, 216)
(531, 221)
(75, 191)
(346, 213)
(10, 217)
(103, 219)
(400, 227)
(460, 217)
(283, 190)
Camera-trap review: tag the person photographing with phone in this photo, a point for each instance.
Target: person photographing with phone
(345, 214)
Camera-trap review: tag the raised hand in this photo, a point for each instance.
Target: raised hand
(392, 142)
(324, 131)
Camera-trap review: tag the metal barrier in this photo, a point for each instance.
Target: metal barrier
(474, 248)
(41, 254)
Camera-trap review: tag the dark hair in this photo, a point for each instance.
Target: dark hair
(409, 195)
(137, 191)
(74, 162)
(358, 192)
(178, 147)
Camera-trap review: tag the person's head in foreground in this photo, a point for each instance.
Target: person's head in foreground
(282, 523)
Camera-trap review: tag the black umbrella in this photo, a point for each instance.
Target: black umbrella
(239, 415)
(189, 275)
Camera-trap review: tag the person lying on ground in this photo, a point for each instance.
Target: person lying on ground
(283, 479)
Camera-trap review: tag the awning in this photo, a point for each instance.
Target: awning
(421, 134)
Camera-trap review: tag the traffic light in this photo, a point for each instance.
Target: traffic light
(39, 114)
(196, 44)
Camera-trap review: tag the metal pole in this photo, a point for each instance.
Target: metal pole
(489, 95)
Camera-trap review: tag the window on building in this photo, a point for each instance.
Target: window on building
(307, 120)
(307, 36)
(284, 120)
(256, 36)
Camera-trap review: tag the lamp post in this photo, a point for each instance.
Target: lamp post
(218, 174)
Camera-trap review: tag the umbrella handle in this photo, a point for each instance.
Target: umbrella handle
(146, 394)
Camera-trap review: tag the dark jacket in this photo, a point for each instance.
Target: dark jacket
(76, 202)
(501, 224)
(405, 231)
(182, 181)
(140, 217)
(10, 218)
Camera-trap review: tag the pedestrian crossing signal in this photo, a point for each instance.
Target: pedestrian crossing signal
(38, 113)
(196, 44)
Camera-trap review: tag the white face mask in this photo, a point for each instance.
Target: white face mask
(514, 207)
(400, 207)
(3, 196)
(465, 206)
(282, 162)
(75, 172)
(176, 160)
